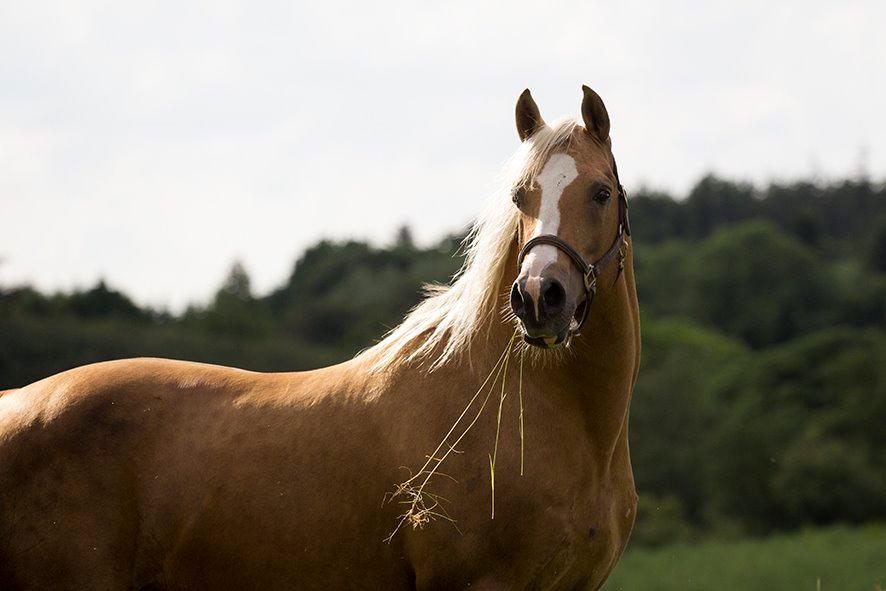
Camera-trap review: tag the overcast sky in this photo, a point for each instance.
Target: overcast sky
(153, 143)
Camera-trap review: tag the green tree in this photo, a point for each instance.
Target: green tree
(754, 282)
(714, 202)
(876, 252)
(750, 281)
(101, 302)
(674, 406)
(234, 311)
(802, 439)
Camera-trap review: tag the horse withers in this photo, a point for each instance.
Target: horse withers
(482, 444)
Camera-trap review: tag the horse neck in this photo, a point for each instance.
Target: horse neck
(607, 357)
(594, 377)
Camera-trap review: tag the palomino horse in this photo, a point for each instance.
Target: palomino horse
(151, 473)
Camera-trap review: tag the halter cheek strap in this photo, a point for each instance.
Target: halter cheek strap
(590, 271)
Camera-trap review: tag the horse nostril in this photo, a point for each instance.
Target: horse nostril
(554, 296)
(518, 306)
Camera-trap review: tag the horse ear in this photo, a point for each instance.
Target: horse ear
(528, 118)
(594, 113)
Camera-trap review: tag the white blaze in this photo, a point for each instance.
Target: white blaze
(558, 173)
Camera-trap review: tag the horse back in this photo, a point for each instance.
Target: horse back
(71, 449)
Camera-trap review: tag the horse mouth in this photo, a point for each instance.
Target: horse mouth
(545, 342)
(552, 341)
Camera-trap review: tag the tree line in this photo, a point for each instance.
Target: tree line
(761, 403)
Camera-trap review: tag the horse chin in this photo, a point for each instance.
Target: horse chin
(547, 341)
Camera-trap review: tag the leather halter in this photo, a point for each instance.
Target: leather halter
(590, 271)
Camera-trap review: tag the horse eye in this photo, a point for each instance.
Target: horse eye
(517, 196)
(602, 196)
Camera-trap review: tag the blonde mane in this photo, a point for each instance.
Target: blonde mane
(451, 316)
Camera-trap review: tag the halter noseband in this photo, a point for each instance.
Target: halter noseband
(590, 271)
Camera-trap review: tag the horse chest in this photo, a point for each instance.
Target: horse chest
(577, 527)
(591, 534)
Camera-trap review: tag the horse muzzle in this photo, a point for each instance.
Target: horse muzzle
(548, 313)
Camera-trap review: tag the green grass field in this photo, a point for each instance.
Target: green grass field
(833, 559)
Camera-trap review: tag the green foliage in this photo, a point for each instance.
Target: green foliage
(674, 406)
(803, 438)
(33, 348)
(348, 295)
(715, 202)
(876, 252)
(760, 285)
(836, 217)
(831, 559)
(748, 280)
(100, 302)
(234, 311)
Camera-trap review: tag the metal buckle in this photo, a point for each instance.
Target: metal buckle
(591, 280)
